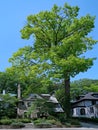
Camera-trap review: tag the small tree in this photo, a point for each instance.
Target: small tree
(42, 107)
(8, 106)
(61, 39)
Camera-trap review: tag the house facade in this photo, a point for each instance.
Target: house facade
(86, 106)
(24, 105)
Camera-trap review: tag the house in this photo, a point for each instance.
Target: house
(86, 106)
(25, 104)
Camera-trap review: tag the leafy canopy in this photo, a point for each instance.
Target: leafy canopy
(60, 40)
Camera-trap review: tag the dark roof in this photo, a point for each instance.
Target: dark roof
(90, 96)
(50, 98)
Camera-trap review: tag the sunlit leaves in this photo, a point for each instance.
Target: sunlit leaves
(60, 40)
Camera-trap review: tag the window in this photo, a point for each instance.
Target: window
(82, 111)
(93, 102)
(91, 109)
(95, 95)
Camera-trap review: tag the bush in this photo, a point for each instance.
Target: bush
(67, 124)
(62, 117)
(74, 122)
(24, 120)
(5, 122)
(50, 117)
(47, 123)
(43, 125)
(71, 123)
(56, 122)
(94, 120)
(38, 121)
(53, 122)
(17, 125)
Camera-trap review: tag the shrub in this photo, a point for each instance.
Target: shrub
(50, 117)
(68, 124)
(38, 121)
(95, 120)
(24, 120)
(17, 125)
(43, 125)
(75, 122)
(5, 121)
(52, 121)
(55, 122)
(47, 123)
(61, 117)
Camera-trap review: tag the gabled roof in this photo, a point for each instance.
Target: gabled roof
(90, 96)
(34, 96)
(50, 98)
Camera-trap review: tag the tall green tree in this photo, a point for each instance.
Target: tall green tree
(21, 68)
(60, 40)
(25, 71)
(7, 82)
(83, 86)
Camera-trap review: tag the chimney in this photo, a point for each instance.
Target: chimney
(19, 92)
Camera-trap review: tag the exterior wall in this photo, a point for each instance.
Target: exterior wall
(96, 102)
(84, 103)
(77, 112)
(91, 111)
(96, 110)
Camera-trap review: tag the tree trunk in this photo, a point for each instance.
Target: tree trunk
(67, 98)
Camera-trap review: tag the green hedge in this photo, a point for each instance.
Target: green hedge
(85, 119)
(17, 125)
(47, 123)
(23, 120)
(5, 122)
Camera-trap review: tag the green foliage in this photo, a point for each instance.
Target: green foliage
(83, 86)
(57, 122)
(42, 123)
(60, 39)
(16, 125)
(8, 106)
(60, 96)
(61, 117)
(46, 123)
(26, 70)
(5, 121)
(75, 122)
(7, 82)
(23, 120)
(85, 119)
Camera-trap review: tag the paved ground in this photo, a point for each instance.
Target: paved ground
(55, 129)
(89, 125)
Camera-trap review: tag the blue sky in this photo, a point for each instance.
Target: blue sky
(13, 15)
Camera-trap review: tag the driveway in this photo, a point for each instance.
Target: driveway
(89, 125)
